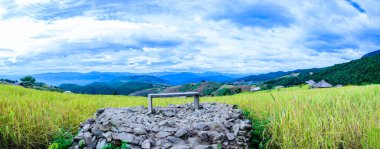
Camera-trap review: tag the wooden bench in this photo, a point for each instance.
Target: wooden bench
(151, 96)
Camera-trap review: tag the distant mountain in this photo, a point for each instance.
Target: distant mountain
(173, 78)
(205, 88)
(188, 77)
(372, 54)
(141, 78)
(273, 75)
(108, 88)
(78, 78)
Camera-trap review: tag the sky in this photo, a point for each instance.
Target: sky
(235, 36)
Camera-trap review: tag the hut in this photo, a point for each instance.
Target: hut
(278, 87)
(322, 84)
(310, 82)
(254, 89)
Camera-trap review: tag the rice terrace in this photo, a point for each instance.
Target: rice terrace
(199, 74)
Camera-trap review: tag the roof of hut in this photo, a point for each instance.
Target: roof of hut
(310, 82)
(322, 84)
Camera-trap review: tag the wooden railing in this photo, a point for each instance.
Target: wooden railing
(151, 96)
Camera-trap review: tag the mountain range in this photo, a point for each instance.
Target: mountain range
(170, 78)
(365, 70)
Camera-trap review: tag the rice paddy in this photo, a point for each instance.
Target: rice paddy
(347, 117)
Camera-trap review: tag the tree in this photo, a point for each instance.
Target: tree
(28, 81)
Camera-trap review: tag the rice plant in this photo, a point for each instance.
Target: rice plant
(347, 117)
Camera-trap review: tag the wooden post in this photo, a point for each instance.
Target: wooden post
(150, 104)
(196, 102)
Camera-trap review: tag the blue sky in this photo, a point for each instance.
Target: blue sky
(239, 36)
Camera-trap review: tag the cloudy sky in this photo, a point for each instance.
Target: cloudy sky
(234, 36)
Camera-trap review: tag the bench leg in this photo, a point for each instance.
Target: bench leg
(196, 102)
(150, 105)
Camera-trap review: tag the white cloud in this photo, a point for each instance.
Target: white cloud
(179, 36)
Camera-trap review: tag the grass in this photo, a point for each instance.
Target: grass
(347, 117)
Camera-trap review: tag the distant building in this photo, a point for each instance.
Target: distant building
(16, 84)
(68, 92)
(254, 89)
(310, 82)
(322, 84)
(339, 85)
(278, 87)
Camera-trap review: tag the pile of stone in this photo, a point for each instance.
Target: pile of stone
(213, 126)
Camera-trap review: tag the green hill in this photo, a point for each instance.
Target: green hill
(205, 88)
(357, 72)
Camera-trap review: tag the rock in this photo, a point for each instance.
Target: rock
(101, 143)
(87, 136)
(214, 135)
(194, 140)
(125, 137)
(236, 128)
(108, 136)
(174, 140)
(203, 135)
(180, 147)
(245, 126)
(100, 111)
(225, 143)
(180, 133)
(146, 144)
(169, 113)
(86, 127)
(230, 136)
(176, 126)
(203, 147)
(162, 134)
(167, 145)
(139, 131)
(202, 127)
(96, 131)
(170, 129)
(105, 127)
(165, 123)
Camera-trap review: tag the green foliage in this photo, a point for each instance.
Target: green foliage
(8, 81)
(28, 81)
(260, 136)
(82, 144)
(124, 145)
(62, 139)
(227, 90)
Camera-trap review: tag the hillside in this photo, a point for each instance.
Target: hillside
(230, 90)
(108, 88)
(372, 54)
(205, 88)
(357, 72)
(273, 75)
(187, 77)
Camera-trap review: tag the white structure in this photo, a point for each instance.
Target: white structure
(68, 92)
(322, 84)
(310, 82)
(254, 89)
(278, 87)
